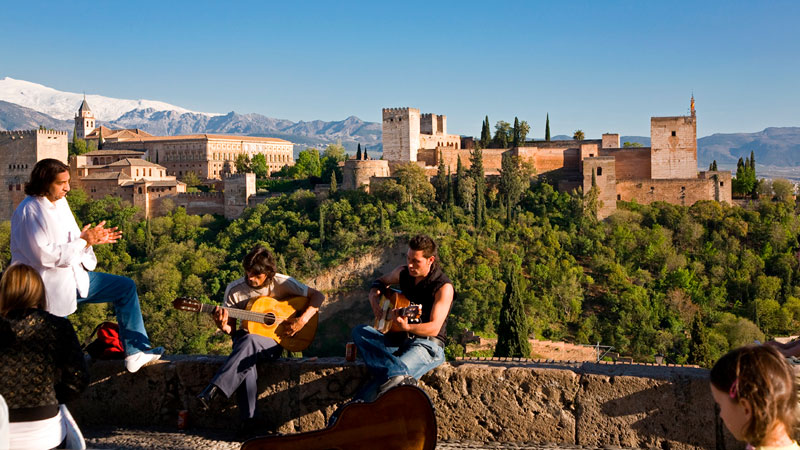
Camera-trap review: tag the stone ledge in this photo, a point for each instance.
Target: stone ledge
(588, 404)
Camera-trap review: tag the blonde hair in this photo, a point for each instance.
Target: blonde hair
(21, 287)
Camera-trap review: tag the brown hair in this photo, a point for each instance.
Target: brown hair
(44, 173)
(424, 243)
(21, 287)
(760, 375)
(260, 261)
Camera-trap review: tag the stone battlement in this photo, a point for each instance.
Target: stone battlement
(508, 400)
(33, 132)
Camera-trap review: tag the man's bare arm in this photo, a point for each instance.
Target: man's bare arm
(441, 308)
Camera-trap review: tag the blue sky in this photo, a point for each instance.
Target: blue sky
(601, 66)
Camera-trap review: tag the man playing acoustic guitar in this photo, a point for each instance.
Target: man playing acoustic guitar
(239, 373)
(403, 357)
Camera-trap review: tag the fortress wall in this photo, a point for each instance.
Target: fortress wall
(19, 151)
(679, 192)
(631, 163)
(199, 203)
(500, 400)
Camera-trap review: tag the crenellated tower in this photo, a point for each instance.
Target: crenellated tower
(401, 129)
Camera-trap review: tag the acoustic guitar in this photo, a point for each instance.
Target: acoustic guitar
(401, 419)
(265, 316)
(391, 300)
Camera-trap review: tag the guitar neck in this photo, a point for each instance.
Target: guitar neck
(236, 313)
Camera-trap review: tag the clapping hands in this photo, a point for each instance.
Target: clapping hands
(95, 235)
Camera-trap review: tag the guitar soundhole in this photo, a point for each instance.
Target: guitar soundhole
(269, 318)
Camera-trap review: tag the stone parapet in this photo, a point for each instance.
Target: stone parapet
(513, 400)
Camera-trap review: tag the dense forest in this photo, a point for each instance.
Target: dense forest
(685, 282)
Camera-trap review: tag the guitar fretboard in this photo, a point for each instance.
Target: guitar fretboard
(243, 314)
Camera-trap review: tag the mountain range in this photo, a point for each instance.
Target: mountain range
(26, 105)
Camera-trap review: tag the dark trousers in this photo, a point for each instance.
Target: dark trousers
(240, 374)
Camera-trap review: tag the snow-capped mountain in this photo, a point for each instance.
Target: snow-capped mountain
(63, 105)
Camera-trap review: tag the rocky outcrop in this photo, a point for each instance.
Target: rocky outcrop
(587, 404)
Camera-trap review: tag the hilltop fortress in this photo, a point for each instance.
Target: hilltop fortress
(665, 171)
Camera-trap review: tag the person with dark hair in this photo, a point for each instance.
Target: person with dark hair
(403, 357)
(41, 362)
(45, 236)
(757, 396)
(239, 374)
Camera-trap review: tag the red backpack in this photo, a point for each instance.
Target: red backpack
(107, 345)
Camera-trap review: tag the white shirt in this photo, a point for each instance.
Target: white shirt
(45, 236)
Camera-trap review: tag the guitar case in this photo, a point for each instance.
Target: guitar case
(402, 418)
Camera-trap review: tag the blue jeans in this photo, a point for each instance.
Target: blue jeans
(121, 291)
(414, 357)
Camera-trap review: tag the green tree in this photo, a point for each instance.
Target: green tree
(783, 190)
(418, 189)
(502, 134)
(191, 179)
(699, 352)
(486, 133)
(512, 331)
(512, 183)
(515, 133)
(259, 165)
(333, 187)
(100, 139)
(627, 144)
(358, 152)
(477, 174)
(331, 157)
(308, 164)
(578, 135)
(547, 128)
(242, 163)
(524, 129)
(441, 180)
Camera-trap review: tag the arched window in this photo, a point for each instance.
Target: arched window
(599, 171)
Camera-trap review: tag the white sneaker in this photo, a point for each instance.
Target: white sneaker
(138, 360)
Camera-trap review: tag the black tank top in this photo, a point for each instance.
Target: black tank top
(424, 293)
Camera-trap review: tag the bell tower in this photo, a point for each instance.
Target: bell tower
(84, 120)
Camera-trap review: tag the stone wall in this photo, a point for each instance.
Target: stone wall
(679, 192)
(603, 170)
(200, 203)
(357, 173)
(19, 152)
(631, 163)
(586, 404)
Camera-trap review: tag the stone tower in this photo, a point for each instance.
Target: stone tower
(673, 142)
(84, 120)
(401, 128)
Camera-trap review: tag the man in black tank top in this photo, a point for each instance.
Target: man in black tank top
(404, 356)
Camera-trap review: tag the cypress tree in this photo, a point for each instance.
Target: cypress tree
(699, 352)
(321, 224)
(365, 153)
(515, 133)
(358, 153)
(512, 331)
(100, 139)
(440, 182)
(547, 128)
(476, 171)
(486, 133)
(334, 187)
(457, 182)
